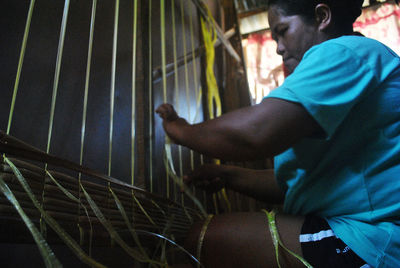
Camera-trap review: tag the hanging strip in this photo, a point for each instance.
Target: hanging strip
(143, 210)
(57, 72)
(68, 240)
(171, 242)
(186, 76)
(201, 237)
(277, 241)
(20, 63)
(196, 89)
(84, 114)
(185, 58)
(77, 200)
(55, 89)
(113, 233)
(210, 38)
(196, 86)
(204, 12)
(88, 66)
(164, 75)
(128, 223)
(163, 52)
(133, 131)
(48, 256)
(150, 100)
(184, 188)
(177, 102)
(112, 90)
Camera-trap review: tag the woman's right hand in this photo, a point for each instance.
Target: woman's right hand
(172, 123)
(209, 177)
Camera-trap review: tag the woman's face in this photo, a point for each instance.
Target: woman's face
(293, 36)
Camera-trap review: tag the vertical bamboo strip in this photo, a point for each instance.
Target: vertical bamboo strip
(177, 102)
(20, 63)
(187, 74)
(133, 133)
(185, 57)
(150, 100)
(196, 86)
(112, 90)
(57, 71)
(196, 90)
(164, 74)
(84, 115)
(54, 95)
(88, 67)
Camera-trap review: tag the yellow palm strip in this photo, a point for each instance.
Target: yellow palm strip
(55, 89)
(177, 102)
(113, 233)
(57, 72)
(20, 63)
(133, 131)
(210, 37)
(48, 256)
(150, 85)
(164, 74)
(128, 223)
(278, 242)
(77, 200)
(84, 114)
(112, 90)
(68, 240)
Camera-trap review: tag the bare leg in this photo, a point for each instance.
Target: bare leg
(244, 240)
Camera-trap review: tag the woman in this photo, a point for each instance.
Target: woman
(334, 129)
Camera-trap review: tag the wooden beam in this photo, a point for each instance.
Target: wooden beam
(157, 72)
(201, 7)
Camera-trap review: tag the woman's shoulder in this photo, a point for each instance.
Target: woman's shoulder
(361, 45)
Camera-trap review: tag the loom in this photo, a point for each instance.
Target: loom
(85, 208)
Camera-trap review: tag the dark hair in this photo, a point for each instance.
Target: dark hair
(344, 12)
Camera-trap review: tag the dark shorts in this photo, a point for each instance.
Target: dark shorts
(322, 248)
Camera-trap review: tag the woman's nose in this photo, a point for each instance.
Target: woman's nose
(280, 48)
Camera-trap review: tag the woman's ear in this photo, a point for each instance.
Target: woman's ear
(323, 16)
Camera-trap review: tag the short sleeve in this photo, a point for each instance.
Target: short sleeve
(329, 81)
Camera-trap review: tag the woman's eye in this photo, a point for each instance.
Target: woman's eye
(282, 32)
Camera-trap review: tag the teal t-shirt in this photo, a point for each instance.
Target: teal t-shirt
(351, 176)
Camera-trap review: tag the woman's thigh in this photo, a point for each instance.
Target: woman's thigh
(244, 240)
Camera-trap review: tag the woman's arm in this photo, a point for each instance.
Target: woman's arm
(254, 132)
(259, 184)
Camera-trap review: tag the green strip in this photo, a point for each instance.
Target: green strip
(48, 256)
(88, 65)
(57, 72)
(73, 198)
(51, 222)
(128, 223)
(133, 131)
(143, 210)
(112, 90)
(150, 100)
(177, 102)
(201, 237)
(20, 63)
(171, 242)
(84, 113)
(177, 180)
(193, 56)
(163, 52)
(185, 58)
(164, 74)
(114, 235)
(277, 241)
